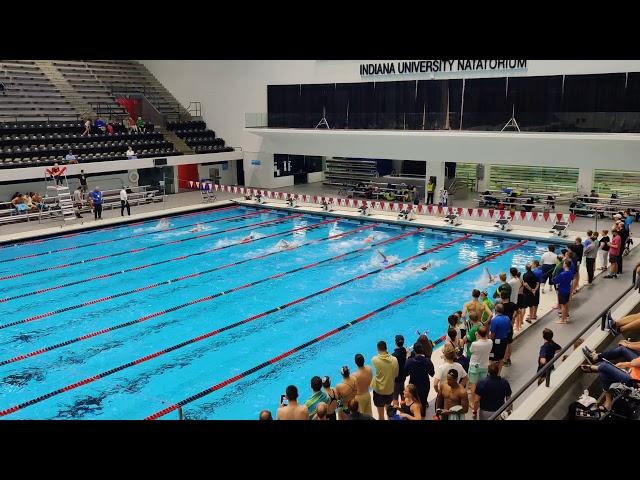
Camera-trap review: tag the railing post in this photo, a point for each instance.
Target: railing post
(603, 321)
(180, 414)
(547, 378)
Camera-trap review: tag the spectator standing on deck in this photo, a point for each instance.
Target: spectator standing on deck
(591, 245)
(530, 289)
(624, 235)
(292, 411)
(386, 372)
(431, 186)
(604, 250)
(83, 182)
(547, 350)
(124, 202)
(500, 331)
(316, 397)
(401, 355)
(492, 392)
(479, 364)
(578, 251)
(363, 377)
(614, 252)
(96, 200)
(419, 369)
(564, 281)
(548, 263)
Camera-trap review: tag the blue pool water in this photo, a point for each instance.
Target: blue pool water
(61, 358)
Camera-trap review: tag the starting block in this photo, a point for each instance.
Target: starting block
(407, 214)
(453, 219)
(503, 224)
(291, 202)
(560, 228)
(365, 210)
(258, 198)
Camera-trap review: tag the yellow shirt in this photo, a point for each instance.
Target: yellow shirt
(386, 372)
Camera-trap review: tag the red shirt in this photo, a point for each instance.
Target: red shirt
(614, 249)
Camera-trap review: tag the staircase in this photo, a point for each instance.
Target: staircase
(177, 141)
(65, 88)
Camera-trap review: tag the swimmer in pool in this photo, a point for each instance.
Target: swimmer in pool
(370, 238)
(384, 257)
(248, 237)
(424, 268)
(284, 245)
(492, 279)
(163, 223)
(198, 228)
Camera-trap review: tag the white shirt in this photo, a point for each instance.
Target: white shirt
(77, 196)
(480, 350)
(123, 195)
(515, 286)
(548, 258)
(130, 153)
(441, 372)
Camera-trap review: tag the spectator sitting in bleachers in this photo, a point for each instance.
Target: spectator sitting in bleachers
(87, 128)
(132, 125)
(38, 201)
(26, 200)
(140, 124)
(110, 128)
(130, 153)
(71, 157)
(18, 203)
(100, 125)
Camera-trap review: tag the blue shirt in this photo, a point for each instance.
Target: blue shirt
(563, 281)
(493, 390)
(539, 275)
(628, 221)
(500, 326)
(96, 197)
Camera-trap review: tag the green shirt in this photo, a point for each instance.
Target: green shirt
(471, 337)
(140, 122)
(502, 288)
(485, 315)
(314, 400)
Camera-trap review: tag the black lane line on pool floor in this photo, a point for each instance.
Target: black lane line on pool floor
(330, 333)
(148, 265)
(117, 227)
(166, 282)
(137, 235)
(142, 249)
(227, 327)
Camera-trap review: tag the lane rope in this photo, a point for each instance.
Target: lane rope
(324, 336)
(137, 235)
(151, 356)
(161, 262)
(115, 227)
(173, 280)
(199, 300)
(150, 247)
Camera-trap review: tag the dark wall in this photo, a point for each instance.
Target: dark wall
(599, 102)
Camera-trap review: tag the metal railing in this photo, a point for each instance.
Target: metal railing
(548, 367)
(41, 118)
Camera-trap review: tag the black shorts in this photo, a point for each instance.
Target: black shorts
(498, 351)
(613, 258)
(563, 299)
(381, 400)
(510, 337)
(398, 390)
(521, 301)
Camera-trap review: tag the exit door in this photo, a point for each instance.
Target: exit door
(214, 175)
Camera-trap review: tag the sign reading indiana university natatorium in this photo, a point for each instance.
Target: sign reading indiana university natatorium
(413, 67)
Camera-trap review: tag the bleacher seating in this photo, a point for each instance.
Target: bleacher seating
(30, 94)
(42, 144)
(196, 135)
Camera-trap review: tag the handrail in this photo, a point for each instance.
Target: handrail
(548, 367)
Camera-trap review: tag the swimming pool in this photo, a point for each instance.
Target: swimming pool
(219, 311)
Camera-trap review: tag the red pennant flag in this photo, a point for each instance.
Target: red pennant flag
(491, 212)
(420, 209)
(315, 199)
(523, 214)
(480, 212)
(559, 217)
(572, 217)
(439, 210)
(382, 205)
(460, 211)
(512, 214)
(470, 212)
(534, 216)
(430, 209)
(546, 215)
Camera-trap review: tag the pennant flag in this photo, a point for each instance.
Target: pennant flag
(572, 217)
(440, 210)
(460, 210)
(534, 216)
(523, 214)
(470, 212)
(559, 217)
(420, 209)
(491, 212)
(480, 213)
(430, 209)
(190, 183)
